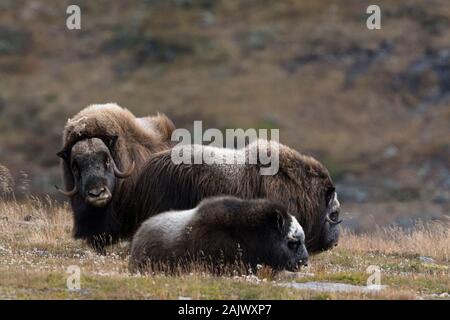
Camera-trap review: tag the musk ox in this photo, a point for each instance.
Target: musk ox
(302, 184)
(221, 231)
(104, 146)
(6, 184)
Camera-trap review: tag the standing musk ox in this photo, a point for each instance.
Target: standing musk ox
(302, 184)
(6, 184)
(104, 147)
(220, 231)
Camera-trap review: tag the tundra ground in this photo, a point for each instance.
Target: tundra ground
(36, 249)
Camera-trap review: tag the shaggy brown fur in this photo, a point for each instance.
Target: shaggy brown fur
(302, 184)
(137, 137)
(132, 140)
(6, 184)
(220, 231)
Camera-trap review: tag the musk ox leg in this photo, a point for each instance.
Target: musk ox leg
(100, 242)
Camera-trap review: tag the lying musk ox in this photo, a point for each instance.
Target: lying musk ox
(104, 146)
(302, 184)
(220, 231)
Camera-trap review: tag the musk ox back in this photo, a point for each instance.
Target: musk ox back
(302, 184)
(6, 184)
(220, 231)
(104, 147)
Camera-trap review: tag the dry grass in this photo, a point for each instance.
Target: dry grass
(36, 248)
(45, 222)
(427, 239)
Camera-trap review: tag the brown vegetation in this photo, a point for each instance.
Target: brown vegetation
(36, 248)
(6, 184)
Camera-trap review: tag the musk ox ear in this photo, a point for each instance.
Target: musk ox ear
(63, 154)
(281, 222)
(164, 125)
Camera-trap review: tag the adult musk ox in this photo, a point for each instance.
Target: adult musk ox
(301, 183)
(104, 147)
(221, 231)
(6, 184)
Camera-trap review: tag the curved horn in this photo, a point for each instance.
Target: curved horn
(70, 193)
(331, 221)
(125, 174)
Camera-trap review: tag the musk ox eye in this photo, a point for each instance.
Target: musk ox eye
(293, 245)
(107, 162)
(75, 168)
(334, 216)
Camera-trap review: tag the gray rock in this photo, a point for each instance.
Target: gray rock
(333, 287)
(424, 259)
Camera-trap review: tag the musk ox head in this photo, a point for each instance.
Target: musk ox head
(285, 241)
(94, 171)
(326, 230)
(330, 235)
(306, 186)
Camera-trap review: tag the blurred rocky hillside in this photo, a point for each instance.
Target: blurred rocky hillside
(374, 106)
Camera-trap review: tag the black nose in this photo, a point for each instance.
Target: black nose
(96, 192)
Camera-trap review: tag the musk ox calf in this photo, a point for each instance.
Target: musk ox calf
(104, 147)
(302, 184)
(6, 184)
(220, 231)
